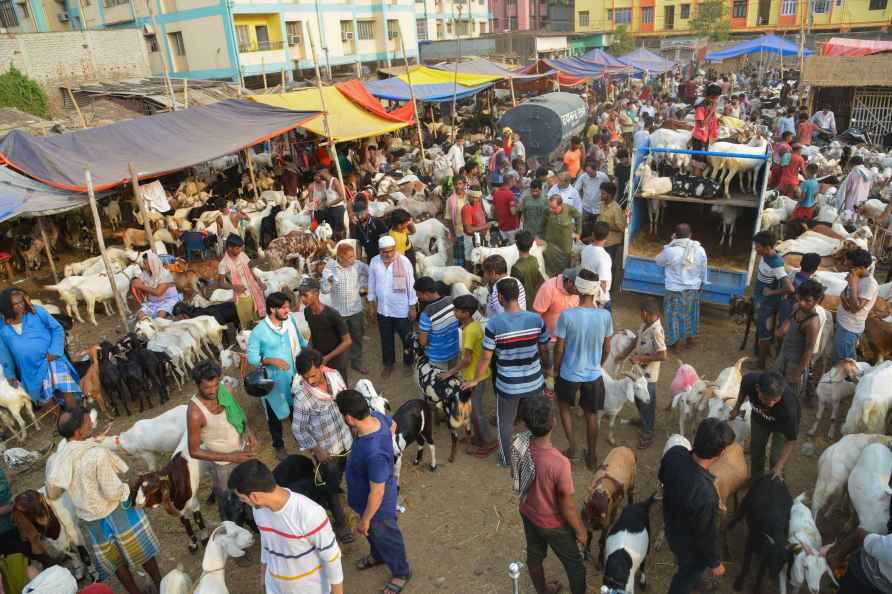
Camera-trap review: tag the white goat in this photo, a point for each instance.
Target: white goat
(227, 540)
(810, 561)
(835, 386)
(732, 166)
(430, 233)
(729, 221)
(618, 392)
(14, 400)
(147, 438)
(871, 402)
(836, 464)
(869, 488)
(621, 345)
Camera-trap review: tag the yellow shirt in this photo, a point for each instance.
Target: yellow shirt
(472, 340)
(402, 241)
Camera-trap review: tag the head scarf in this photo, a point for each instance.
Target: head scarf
(155, 276)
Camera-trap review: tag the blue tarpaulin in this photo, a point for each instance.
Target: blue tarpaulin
(22, 196)
(647, 61)
(601, 58)
(767, 43)
(393, 89)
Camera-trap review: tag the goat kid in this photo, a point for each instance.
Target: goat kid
(627, 547)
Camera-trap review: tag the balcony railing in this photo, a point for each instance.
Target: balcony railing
(260, 46)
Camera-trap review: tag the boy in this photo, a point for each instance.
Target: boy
(772, 283)
(526, 269)
(650, 350)
(807, 268)
(808, 189)
(471, 347)
(789, 177)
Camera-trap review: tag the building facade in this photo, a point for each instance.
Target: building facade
(436, 20)
(518, 15)
(671, 17)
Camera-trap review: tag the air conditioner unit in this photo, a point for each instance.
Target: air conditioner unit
(392, 34)
(347, 36)
(63, 17)
(295, 39)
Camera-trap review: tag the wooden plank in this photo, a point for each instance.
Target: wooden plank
(738, 200)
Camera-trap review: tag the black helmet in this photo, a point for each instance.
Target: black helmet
(257, 384)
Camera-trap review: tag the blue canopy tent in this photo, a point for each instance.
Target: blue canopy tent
(393, 89)
(767, 43)
(23, 196)
(602, 58)
(647, 61)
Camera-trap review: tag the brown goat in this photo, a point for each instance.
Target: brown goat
(90, 384)
(613, 479)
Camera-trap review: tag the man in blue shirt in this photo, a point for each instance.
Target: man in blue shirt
(437, 326)
(371, 488)
(772, 283)
(583, 343)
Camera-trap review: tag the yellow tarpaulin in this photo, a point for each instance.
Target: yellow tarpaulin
(422, 75)
(347, 120)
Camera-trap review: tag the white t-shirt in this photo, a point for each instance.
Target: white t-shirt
(596, 259)
(299, 548)
(869, 289)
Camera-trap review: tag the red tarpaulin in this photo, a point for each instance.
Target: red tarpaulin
(357, 93)
(842, 46)
(565, 80)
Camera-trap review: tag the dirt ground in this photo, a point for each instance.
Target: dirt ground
(461, 524)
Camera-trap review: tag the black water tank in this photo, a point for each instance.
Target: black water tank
(547, 122)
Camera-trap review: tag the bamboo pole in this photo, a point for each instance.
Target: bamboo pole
(76, 107)
(332, 148)
(250, 161)
(455, 74)
(108, 269)
(263, 73)
(802, 17)
(186, 93)
(282, 92)
(513, 96)
(411, 91)
(141, 203)
(49, 252)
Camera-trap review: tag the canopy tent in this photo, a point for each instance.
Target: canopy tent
(393, 89)
(355, 92)
(482, 66)
(767, 43)
(155, 144)
(542, 68)
(843, 46)
(601, 58)
(347, 119)
(647, 61)
(22, 196)
(423, 75)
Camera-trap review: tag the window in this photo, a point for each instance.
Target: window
(243, 35)
(685, 10)
(877, 5)
(261, 32)
(788, 7)
(461, 27)
(647, 15)
(176, 40)
(365, 30)
(393, 29)
(583, 18)
(821, 6)
(449, 28)
(440, 29)
(512, 23)
(110, 3)
(8, 17)
(624, 16)
(151, 42)
(669, 17)
(609, 15)
(421, 29)
(23, 6)
(294, 30)
(738, 10)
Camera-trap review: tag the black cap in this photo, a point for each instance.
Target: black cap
(426, 284)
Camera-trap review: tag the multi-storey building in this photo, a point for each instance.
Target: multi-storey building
(668, 17)
(518, 15)
(436, 20)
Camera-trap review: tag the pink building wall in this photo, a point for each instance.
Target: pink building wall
(502, 13)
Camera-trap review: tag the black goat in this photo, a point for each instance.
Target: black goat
(155, 367)
(268, 226)
(627, 547)
(224, 313)
(414, 422)
(298, 473)
(135, 377)
(114, 387)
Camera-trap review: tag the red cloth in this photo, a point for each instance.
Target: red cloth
(789, 178)
(96, 588)
(804, 132)
(705, 130)
(502, 201)
(803, 213)
(472, 215)
(323, 157)
(542, 505)
(357, 93)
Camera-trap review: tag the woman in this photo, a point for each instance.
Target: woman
(32, 350)
(157, 286)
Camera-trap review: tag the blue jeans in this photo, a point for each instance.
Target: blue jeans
(766, 308)
(648, 410)
(690, 571)
(386, 542)
(387, 327)
(844, 344)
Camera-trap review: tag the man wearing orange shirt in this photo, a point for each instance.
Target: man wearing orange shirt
(573, 157)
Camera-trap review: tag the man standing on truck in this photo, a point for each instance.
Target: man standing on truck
(685, 263)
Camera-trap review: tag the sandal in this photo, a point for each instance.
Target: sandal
(367, 562)
(392, 588)
(645, 441)
(484, 450)
(345, 535)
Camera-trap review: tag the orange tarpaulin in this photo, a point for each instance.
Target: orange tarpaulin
(357, 93)
(842, 46)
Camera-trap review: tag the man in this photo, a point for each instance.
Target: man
(495, 269)
(789, 176)
(691, 505)
(392, 298)
(583, 343)
(498, 163)
(856, 301)
(547, 509)
(346, 280)
(328, 331)
(787, 123)
(320, 430)
(513, 337)
(573, 158)
(563, 225)
(456, 155)
(526, 268)
(461, 247)
(118, 536)
(556, 295)
(299, 552)
(333, 212)
(588, 185)
(706, 129)
(474, 223)
(274, 343)
(372, 488)
(826, 122)
(805, 129)
(518, 150)
(438, 330)
(780, 157)
(684, 264)
(504, 208)
(596, 259)
(870, 567)
(367, 229)
(855, 188)
(566, 190)
(772, 283)
(234, 273)
(533, 209)
(799, 334)
(218, 432)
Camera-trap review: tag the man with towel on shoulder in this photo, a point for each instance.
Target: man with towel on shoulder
(235, 273)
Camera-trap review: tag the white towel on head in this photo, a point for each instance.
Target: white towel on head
(53, 580)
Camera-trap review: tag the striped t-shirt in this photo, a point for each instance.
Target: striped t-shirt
(298, 547)
(771, 271)
(515, 338)
(438, 320)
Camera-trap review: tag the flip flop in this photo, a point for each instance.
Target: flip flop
(392, 588)
(367, 562)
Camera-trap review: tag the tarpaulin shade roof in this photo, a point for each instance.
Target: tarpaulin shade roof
(565, 79)
(422, 75)
(355, 92)
(482, 66)
(155, 144)
(602, 58)
(346, 119)
(843, 46)
(394, 89)
(22, 196)
(646, 60)
(767, 43)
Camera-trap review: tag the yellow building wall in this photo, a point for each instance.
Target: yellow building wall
(271, 21)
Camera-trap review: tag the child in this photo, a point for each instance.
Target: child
(526, 269)
(401, 227)
(650, 350)
(789, 179)
(464, 308)
(807, 267)
(808, 189)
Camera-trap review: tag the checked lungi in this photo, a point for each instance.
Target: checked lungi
(681, 313)
(59, 378)
(123, 537)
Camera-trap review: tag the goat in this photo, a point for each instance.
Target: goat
(613, 479)
(147, 438)
(835, 386)
(729, 220)
(112, 381)
(836, 464)
(868, 488)
(113, 212)
(627, 547)
(731, 166)
(91, 385)
(810, 561)
(622, 344)
(14, 400)
(227, 540)
(617, 392)
(871, 402)
(414, 422)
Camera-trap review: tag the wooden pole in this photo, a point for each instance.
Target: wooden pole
(802, 13)
(283, 80)
(411, 91)
(49, 252)
(186, 93)
(162, 47)
(108, 269)
(141, 202)
(76, 107)
(332, 149)
(263, 73)
(250, 161)
(455, 76)
(513, 96)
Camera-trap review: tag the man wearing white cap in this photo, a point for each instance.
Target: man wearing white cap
(392, 297)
